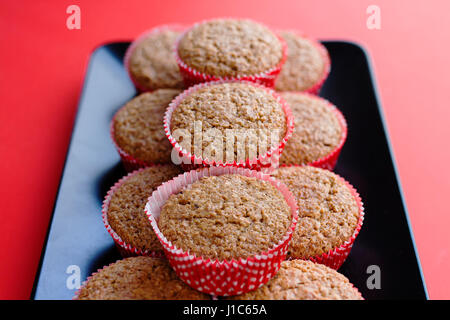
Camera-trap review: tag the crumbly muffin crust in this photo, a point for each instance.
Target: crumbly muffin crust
(224, 217)
(317, 129)
(126, 214)
(138, 278)
(227, 47)
(256, 116)
(304, 280)
(139, 129)
(304, 65)
(328, 212)
(152, 62)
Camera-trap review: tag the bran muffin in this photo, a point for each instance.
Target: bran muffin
(318, 130)
(328, 211)
(125, 211)
(306, 66)
(138, 127)
(138, 278)
(304, 280)
(224, 217)
(230, 48)
(254, 116)
(151, 62)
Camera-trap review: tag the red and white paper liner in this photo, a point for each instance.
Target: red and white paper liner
(315, 88)
(192, 76)
(329, 161)
(336, 256)
(125, 249)
(265, 162)
(139, 39)
(227, 277)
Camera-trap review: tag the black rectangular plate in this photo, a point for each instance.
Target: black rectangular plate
(77, 235)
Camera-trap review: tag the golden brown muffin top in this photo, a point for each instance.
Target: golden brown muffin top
(317, 129)
(152, 62)
(227, 216)
(304, 65)
(304, 280)
(227, 47)
(328, 211)
(138, 278)
(126, 214)
(249, 113)
(139, 129)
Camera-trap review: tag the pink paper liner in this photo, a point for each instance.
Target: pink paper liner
(267, 161)
(192, 77)
(125, 249)
(227, 277)
(139, 39)
(315, 88)
(329, 161)
(336, 256)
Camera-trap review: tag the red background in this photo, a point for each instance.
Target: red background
(42, 66)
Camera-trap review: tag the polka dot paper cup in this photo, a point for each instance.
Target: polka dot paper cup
(192, 76)
(226, 277)
(156, 30)
(265, 162)
(337, 256)
(125, 249)
(329, 161)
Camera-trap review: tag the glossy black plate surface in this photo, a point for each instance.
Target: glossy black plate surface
(78, 238)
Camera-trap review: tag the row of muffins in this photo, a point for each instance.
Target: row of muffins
(233, 214)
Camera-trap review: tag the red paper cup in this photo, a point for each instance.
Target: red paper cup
(125, 249)
(192, 76)
(315, 88)
(139, 39)
(336, 256)
(329, 161)
(227, 277)
(265, 162)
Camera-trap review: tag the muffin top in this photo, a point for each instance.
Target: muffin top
(126, 214)
(138, 278)
(304, 65)
(304, 280)
(139, 129)
(328, 211)
(317, 129)
(224, 217)
(152, 62)
(238, 121)
(228, 47)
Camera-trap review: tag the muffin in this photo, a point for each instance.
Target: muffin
(221, 226)
(137, 278)
(124, 214)
(138, 131)
(230, 49)
(151, 62)
(239, 122)
(226, 217)
(330, 214)
(319, 134)
(307, 64)
(304, 280)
